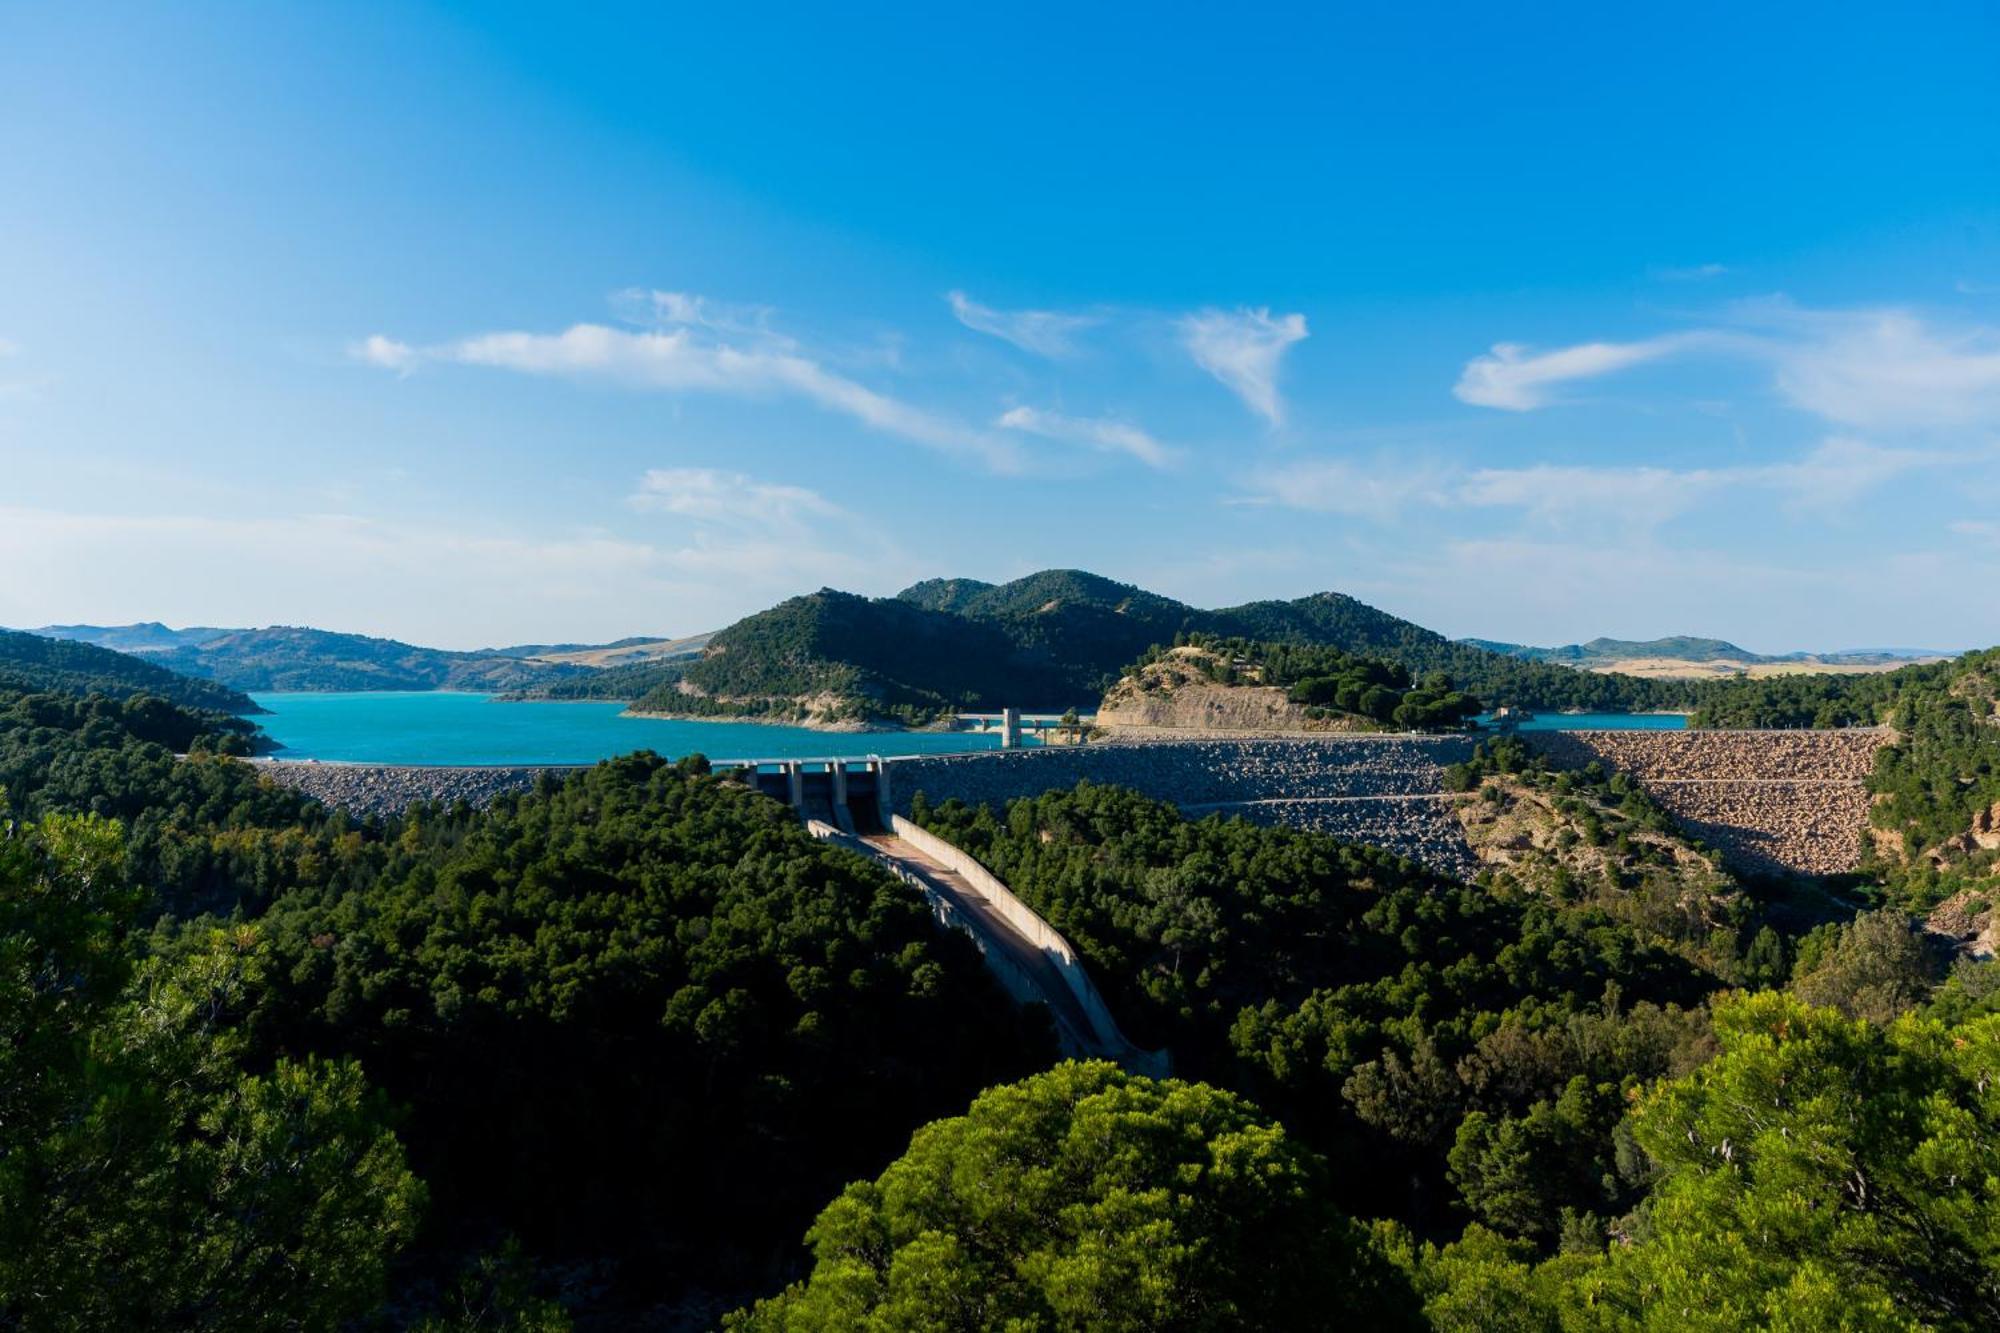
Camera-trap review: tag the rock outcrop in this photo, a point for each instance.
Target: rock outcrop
(1178, 694)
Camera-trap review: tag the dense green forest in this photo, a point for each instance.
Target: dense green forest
(1417, 1029)
(602, 1053)
(29, 661)
(638, 1025)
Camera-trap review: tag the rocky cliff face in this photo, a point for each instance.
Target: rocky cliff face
(1178, 694)
(1209, 708)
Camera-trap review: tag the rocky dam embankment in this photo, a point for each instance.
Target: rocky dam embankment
(1387, 791)
(1771, 802)
(386, 789)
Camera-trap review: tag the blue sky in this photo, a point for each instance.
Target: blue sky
(492, 323)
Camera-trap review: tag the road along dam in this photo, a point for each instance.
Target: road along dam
(1770, 801)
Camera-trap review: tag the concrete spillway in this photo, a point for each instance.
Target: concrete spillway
(994, 933)
(1029, 957)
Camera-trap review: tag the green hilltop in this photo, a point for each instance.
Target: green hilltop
(1051, 640)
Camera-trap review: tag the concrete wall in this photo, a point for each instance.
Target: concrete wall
(1026, 922)
(1020, 987)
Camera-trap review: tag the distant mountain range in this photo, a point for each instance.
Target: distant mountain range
(148, 636)
(287, 657)
(1603, 654)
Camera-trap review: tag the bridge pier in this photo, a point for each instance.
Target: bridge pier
(842, 817)
(1010, 728)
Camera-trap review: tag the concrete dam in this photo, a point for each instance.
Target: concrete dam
(1771, 801)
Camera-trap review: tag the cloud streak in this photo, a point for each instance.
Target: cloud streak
(1875, 370)
(1047, 333)
(695, 350)
(711, 495)
(1513, 378)
(1102, 433)
(1243, 348)
(1831, 477)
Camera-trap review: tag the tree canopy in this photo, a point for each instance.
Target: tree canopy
(1087, 1198)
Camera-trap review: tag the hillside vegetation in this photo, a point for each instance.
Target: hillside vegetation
(30, 662)
(285, 657)
(1055, 640)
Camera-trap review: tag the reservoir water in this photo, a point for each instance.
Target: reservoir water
(441, 727)
(1603, 722)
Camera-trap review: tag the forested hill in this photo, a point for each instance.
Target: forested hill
(30, 662)
(1052, 640)
(286, 657)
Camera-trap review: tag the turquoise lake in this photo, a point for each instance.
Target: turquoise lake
(437, 727)
(1604, 722)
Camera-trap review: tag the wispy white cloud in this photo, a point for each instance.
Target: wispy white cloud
(1639, 495)
(1979, 529)
(712, 495)
(1243, 349)
(1380, 490)
(1831, 477)
(1690, 272)
(654, 308)
(1876, 370)
(386, 353)
(695, 349)
(1517, 379)
(1841, 471)
(1050, 333)
(1105, 433)
(1881, 369)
